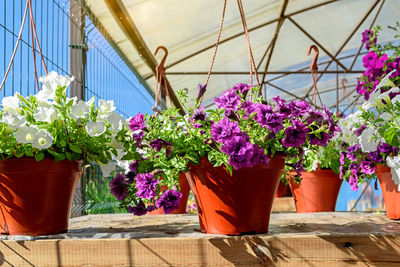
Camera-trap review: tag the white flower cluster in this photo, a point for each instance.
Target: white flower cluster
(46, 111)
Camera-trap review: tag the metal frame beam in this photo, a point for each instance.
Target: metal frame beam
(261, 72)
(125, 22)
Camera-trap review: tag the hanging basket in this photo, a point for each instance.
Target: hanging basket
(237, 204)
(36, 196)
(390, 192)
(185, 190)
(317, 191)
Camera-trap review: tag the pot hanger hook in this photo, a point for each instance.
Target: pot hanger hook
(314, 65)
(344, 80)
(160, 67)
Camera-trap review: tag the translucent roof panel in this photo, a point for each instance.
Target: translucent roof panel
(188, 29)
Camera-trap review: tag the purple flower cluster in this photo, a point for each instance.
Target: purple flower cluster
(119, 186)
(137, 122)
(140, 209)
(377, 65)
(229, 101)
(146, 185)
(158, 144)
(169, 200)
(354, 163)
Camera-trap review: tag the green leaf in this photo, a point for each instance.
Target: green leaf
(39, 156)
(68, 155)
(75, 148)
(60, 157)
(391, 137)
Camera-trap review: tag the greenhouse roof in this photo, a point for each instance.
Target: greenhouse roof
(280, 33)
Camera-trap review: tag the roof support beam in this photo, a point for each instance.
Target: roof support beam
(345, 42)
(317, 43)
(273, 41)
(241, 33)
(261, 72)
(125, 22)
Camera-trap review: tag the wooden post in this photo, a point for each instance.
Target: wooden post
(78, 49)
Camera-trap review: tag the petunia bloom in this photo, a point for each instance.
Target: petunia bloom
(137, 122)
(119, 187)
(146, 185)
(295, 135)
(169, 200)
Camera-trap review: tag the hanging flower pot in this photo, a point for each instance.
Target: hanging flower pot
(317, 191)
(185, 190)
(36, 196)
(390, 192)
(235, 204)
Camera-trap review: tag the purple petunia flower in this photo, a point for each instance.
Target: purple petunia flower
(158, 144)
(137, 122)
(119, 187)
(298, 166)
(201, 90)
(229, 100)
(242, 88)
(259, 157)
(353, 182)
(267, 118)
(342, 157)
(249, 107)
(323, 141)
(138, 138)
(169, 200)
(224, 129)
(281, 107)
(367, 167)
(299, 108)
(239, 149)
(139, 210)
(359, 131)
(375, 156)
(351, 152)
(133, 166)
(296, 135)
(146, 185)
(199, 114)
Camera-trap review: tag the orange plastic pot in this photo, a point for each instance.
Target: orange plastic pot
(283, 190)
(391, 195)
(183, 184)
(317, 191)
(36, 197)
(236, 204)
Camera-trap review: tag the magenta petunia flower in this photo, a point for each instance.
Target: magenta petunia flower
(267, 118)
(224, 129)
(201, 90)
(139, 210)
(137, 122)
(242, 88)
(299, 108)
(229, 100)
(138, 138)
(169, 200)
(158, 144)
(296, 135)
(119, 186)
(146, 185)
(239, 149)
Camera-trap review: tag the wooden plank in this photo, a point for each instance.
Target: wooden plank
(316, 239)
(283, 204)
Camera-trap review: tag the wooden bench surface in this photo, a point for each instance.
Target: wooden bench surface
(308, 239)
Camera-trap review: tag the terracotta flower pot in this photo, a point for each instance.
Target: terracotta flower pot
(36, 197)
(283, 190)
(317, 191)
(391, 195)
(185, 190)
(235, 204)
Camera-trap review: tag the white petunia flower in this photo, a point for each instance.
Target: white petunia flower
(79, 110)
(44, 103)
(107, 169)
(386, 116)
(115, 121)
(394, 165)
(368, 141)
(45, 114)
(26, 134)
(44, 139)
(120, 154)
(11, 103)
(349, 137)
(95, 128)
(14, 120)
(50, 83)
(386, 81)
(105, 108)
(124, 164)
(395, 99)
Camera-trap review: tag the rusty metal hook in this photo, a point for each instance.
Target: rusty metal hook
(314, 64)
(160, 67)
(344, 80)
